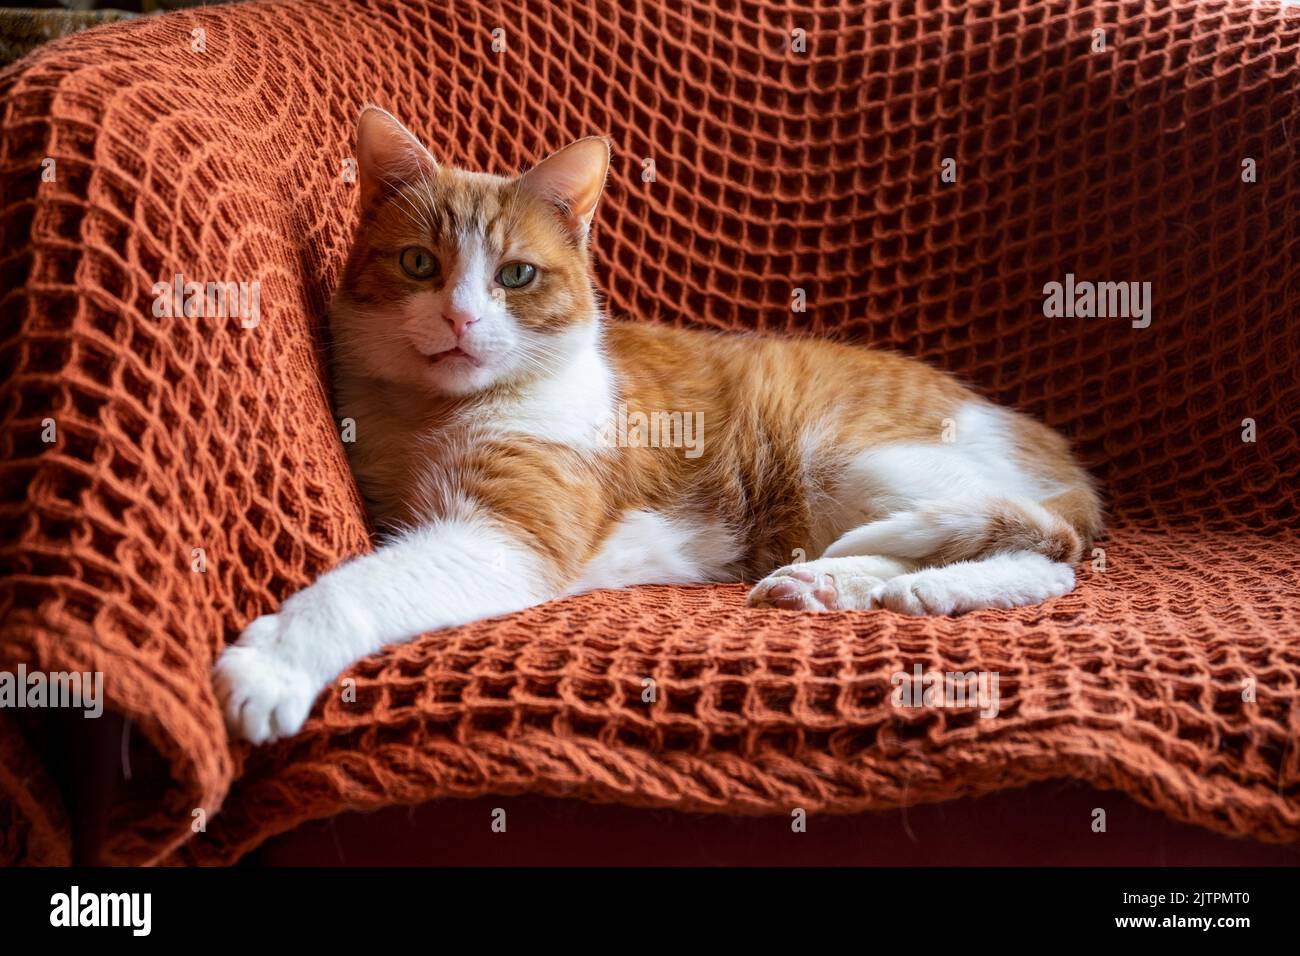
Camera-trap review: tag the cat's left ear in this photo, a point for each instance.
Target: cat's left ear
(572, 180)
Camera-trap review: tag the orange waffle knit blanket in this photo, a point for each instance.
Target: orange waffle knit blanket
(793, 145)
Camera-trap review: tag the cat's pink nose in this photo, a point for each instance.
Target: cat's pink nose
(459, 320)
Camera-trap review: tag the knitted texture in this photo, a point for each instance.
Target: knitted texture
(782, 160)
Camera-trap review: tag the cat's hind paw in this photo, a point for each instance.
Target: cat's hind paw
(827, 584)
(1003, 581)
(795, 588)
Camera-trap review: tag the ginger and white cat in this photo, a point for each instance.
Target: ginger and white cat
(491, 400)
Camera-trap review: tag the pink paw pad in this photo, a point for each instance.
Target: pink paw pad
(802, 590)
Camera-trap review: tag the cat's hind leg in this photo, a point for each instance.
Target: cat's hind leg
(827, 584)
(1014, 579)
(966, 555)
(962, 529)
(970, 553)
(1011, 579)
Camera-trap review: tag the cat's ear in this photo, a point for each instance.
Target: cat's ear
(572, 180)
(388, 154)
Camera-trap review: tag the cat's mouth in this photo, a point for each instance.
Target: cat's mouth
(452, 354)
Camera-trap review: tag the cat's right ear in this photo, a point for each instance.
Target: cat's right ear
(388, 154)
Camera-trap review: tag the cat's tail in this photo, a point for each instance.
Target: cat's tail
(1060, 528)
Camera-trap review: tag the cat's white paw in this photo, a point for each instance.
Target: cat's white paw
(795, 588)
(264, 697)
(999, 582)
(826, 584)
(917, 595)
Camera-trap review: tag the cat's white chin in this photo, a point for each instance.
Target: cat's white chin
(459, 376)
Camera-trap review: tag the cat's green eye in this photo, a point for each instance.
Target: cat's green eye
(419, 263)
(516, 275)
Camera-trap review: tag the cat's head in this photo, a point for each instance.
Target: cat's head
(460, 281)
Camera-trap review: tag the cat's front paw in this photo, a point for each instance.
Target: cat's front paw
(264, 697)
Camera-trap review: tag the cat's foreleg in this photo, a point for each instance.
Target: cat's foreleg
(440, 575)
